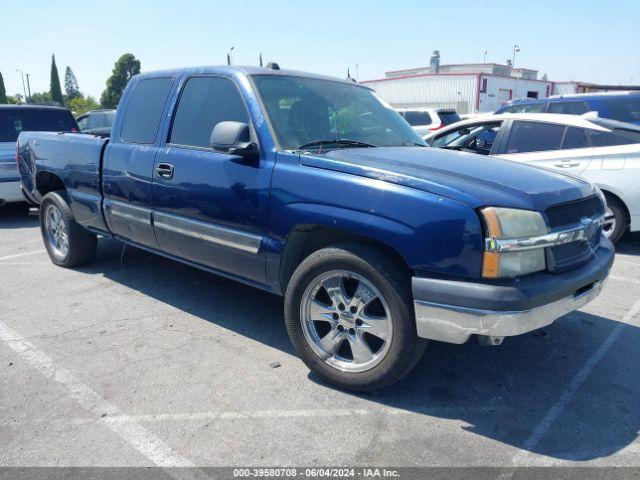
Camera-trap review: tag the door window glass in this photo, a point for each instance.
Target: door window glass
(570, 108)
(616, 136)
(575, 138)
(205, 102)
(534, 137)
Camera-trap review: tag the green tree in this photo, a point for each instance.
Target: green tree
(41, 97)
(71, 84)
(80, 104)
(126, 67)
(3, 91)
(15, 99)
(56, 91)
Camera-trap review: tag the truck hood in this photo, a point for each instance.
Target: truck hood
(475, 180)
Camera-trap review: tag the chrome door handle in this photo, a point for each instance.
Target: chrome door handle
(164, 170)
(567, 164)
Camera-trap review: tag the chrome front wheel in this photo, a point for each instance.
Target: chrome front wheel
(346, 321)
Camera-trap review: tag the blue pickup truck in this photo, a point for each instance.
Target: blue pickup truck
(313, 188)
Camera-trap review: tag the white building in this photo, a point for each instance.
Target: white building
(469, 88)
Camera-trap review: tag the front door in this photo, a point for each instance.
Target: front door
(210, 207)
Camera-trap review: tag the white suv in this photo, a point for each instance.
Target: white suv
(427, 120)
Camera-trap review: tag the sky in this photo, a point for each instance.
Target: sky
(587, 40)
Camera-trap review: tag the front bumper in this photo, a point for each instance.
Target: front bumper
(450, 311)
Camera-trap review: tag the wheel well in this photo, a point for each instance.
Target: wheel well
(306, 239)
(48, 182)
(609, 195)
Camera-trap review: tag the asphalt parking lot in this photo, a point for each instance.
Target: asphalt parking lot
(136, 360)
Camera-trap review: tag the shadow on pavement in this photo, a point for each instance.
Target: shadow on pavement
(17, 216)
(502, 393)
(629, 244)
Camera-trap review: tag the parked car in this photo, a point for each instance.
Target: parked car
(604, 152)
(425, 120)
(15, 119)
(97, 122)
(621, 106)
(310, 187)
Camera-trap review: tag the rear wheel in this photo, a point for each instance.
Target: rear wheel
(348, 313)
(68, 244)
(615, 220)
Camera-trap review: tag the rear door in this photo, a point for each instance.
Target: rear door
(211, 207)
(129, 160)
(548, 145)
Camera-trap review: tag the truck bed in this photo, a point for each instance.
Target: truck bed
(73, 158)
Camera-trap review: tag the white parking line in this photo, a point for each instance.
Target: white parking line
(625, 279)
(23, 254)
(134, 434)
(554, 412)
(310, 413)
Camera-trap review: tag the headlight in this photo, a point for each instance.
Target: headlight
(512, 224)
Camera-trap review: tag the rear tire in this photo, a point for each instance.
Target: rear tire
(68, 244)
(616, 221)
(348, 312)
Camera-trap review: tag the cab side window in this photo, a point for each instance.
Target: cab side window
(205, 102)
(144, 110)
(534, 137)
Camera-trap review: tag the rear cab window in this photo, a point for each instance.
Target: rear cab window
(143, 111)
(33, 119)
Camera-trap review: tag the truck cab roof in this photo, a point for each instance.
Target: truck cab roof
(231, 70)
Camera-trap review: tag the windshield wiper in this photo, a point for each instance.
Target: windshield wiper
(337, 142)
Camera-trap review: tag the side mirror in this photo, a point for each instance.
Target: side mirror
(233, 138)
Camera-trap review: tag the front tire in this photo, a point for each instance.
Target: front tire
(348, 312)
(68, 244)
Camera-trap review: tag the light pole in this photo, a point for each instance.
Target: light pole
(516, 49)
(28, 87)
(229, 62)
(24, 89)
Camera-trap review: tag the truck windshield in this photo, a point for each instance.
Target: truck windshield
(29, 119)
(306, 111)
